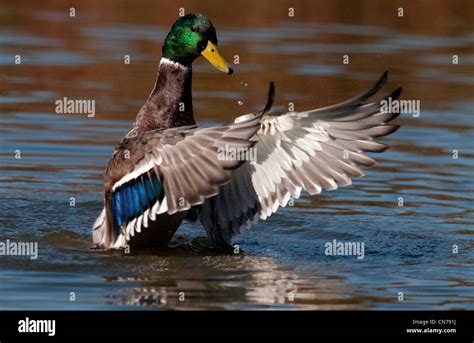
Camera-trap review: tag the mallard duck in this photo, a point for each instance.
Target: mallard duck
(166, 168)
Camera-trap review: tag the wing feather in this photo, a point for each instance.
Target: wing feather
(311, 150)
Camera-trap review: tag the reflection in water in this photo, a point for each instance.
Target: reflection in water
(409, 248)
(231, 282)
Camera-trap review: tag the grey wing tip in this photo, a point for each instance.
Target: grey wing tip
(379, 84)
(389, 129)
(271, 90)
(396, 93)
(384, 78)
(270, 98)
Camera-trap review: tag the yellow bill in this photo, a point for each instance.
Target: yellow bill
(211, 54)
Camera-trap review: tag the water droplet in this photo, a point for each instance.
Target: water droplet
(240, 102)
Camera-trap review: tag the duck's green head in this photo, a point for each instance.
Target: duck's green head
(190, 37)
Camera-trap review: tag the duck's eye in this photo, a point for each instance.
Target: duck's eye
(202, 45)
(193, 29)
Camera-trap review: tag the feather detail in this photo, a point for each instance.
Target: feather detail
(311, 150)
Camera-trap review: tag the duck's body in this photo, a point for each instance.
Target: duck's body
(166, 166)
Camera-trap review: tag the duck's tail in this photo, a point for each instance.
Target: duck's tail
(102, 234)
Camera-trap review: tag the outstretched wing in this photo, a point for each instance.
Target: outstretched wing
(311, 150)
(166, 171)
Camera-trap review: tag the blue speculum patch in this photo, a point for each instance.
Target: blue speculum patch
(133, 198)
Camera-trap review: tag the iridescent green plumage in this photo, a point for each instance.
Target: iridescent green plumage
(188, 38)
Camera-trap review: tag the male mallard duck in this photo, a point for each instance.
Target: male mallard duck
(166, 167)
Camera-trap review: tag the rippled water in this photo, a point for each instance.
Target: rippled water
(408, 249)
